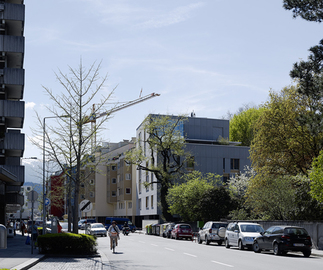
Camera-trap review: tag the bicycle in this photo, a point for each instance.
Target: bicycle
(113, 235)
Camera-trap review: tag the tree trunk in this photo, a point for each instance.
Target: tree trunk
(165, 207)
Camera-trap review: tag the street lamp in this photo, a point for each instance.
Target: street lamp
(44, 195)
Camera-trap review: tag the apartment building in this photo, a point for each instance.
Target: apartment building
(114, 188)
(204, 141)
(12, 108)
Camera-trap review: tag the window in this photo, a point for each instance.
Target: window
(147, 202)
(121, 205)
(190, 163)
(82, 185)
(223, 164)
(92, 182)
(152, 180)
(113, 193)
(113, 167)
(129, 205)
(114, 180)
(28, 188)
(152, 201)
(235, 164)
(91, 194)
(128, 176)
(128, 190)
(139, 186)
(139, 204)
(147, 181)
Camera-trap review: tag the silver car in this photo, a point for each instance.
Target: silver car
(212, 231)
(242, 234)
(96, 229)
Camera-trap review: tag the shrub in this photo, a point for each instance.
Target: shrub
(67, 243)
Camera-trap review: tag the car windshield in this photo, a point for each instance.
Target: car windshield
(185, 226)
(218, 225)
(97, 226)
(251, 228)
(295, 231)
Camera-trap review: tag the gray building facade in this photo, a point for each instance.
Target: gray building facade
(12, 108)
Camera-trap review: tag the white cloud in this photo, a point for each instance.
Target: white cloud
(30, 105)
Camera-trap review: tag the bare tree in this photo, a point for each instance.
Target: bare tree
(70, 140)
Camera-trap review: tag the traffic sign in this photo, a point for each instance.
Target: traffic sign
(32, 196)
(85, 206)
(47, 201)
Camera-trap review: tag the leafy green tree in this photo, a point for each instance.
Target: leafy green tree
(184, 199)
(242, 125)
(215, 203)
(316, 177)
(310, 10)
(281, 145)
(165, 154)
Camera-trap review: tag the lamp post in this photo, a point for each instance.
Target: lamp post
(44, 195)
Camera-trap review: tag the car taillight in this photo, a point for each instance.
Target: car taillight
(210, 230)
(286, 237)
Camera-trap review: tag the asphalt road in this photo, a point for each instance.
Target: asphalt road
(140, 251)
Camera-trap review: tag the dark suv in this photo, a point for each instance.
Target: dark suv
(282, 239)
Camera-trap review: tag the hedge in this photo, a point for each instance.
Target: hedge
(67, 243)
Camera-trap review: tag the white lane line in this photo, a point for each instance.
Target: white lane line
(228, 265)
(154, 245)
(170, 249)
(189, 255)
(142, 242)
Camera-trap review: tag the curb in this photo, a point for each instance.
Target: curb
(30, 263)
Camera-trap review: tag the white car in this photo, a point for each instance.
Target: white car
(212, 231)
(96, 229)
(242, 234)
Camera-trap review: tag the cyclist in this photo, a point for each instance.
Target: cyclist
(114, 232)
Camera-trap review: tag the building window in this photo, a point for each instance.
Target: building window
(128, 190)
(121, 205)
(152, 180)
(28, 188)
(139, 186)
(190, 163)
(223, 164)
(113, 193)
(147, 182)
(129, 205)
(92, 182)
(128, 176)
(152, 201)
(139, 204)
(235, 164)
(82, 185)
(113, 167)
(91, 194)
(147, 202)
(114, 180)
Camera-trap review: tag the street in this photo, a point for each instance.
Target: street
(140, 251)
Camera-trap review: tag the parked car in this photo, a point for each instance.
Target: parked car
(168, 231)
(242, 234)
(96, 229)
(65, 226)
(83, 222)
(282, 239)
(182, 231)
(212, 231)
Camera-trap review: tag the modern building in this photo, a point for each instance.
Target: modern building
(114, 184)
(12, 108)
(207, 142)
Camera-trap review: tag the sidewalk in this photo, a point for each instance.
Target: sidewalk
(18, 253)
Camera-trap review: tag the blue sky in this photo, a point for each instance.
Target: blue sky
(209, 56)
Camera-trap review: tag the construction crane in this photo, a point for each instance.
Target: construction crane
(93, 117)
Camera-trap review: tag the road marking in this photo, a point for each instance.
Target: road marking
(190, 255)
(154, 245)
(170, 249)
(142, 242)
(223, 264)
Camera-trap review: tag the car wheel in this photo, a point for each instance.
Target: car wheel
(307, 253)
(207, 241)
(219, 243)
(276, 249)
(255, 247)
(240, 245)
(227, 243)
(199, 241)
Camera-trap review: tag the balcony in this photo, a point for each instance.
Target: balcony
(19, 172)
(13, 14)
(13, 112)
(13, 143)
(14, 198)
(13, 189)
(12, 44)
(13, 80)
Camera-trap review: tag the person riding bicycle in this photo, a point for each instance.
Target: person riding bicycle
(114, 232)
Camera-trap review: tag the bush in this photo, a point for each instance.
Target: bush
(67, 243)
